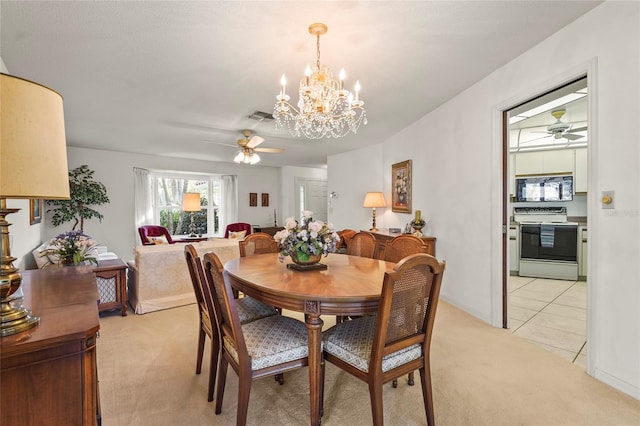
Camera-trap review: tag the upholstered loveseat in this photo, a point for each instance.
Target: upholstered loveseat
(159, 278)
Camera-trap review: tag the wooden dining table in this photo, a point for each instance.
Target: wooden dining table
(350, 285)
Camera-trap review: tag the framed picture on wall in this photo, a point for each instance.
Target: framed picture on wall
(265, 200)
(253, 199)
(35, 211)
(401, 187)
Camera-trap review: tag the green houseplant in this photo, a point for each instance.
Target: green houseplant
(85, 192)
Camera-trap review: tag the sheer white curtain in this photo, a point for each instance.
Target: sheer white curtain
(228, 201)
(143, 198)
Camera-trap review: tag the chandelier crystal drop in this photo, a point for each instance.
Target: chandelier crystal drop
(325, 107)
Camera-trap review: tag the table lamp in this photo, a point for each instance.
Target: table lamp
(373, 200)
(33, 164)
(191, 203)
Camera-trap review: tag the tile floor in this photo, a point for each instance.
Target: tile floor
(551, 314)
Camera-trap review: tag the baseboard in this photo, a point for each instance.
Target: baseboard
(621, 385)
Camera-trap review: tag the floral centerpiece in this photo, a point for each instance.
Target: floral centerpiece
(306, 241)
(71, 248)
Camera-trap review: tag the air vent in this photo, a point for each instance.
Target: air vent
(261, 116)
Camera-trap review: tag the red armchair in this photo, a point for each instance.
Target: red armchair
(153, 231)
(237, 227)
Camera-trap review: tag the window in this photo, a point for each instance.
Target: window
(167, 191)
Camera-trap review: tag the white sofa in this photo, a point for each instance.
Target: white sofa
(159, 278)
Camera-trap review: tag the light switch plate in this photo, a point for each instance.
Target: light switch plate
(608, 199)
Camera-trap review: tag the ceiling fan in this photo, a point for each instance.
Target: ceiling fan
(249, 147)
(561, 129)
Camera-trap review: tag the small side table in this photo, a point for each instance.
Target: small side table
(111, 277)
(187, 239)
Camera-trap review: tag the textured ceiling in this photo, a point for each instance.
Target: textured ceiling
(179, 78)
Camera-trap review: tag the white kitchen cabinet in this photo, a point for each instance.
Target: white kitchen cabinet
(514, 249)
(559, 161)
(580, 175)
(582, 249)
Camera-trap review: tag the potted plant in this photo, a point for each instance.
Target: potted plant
(85, 192)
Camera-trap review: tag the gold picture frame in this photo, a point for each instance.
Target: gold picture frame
(35, 211)
(253, 199)
(265, 199)
(401, 187)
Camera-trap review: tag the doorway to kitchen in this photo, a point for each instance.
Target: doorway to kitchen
(545, 183)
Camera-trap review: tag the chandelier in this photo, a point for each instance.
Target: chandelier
(246, 156)
(325, 107)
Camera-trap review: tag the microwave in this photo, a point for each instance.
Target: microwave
(544, 188)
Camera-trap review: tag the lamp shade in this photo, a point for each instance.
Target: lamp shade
(191, 202)
(33, 147)
(374, 199)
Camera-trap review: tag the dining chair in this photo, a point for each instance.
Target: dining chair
(397, 249)
(380, 348)
(264, 347)
(361, 244)
(249, 310)
(258, 243)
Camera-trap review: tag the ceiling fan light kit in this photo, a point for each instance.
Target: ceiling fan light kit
(325, 107)
(247, 154)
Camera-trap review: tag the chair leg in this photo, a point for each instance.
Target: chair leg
(222, 379)
(394, 383)
(201, 338)
(375, 393)
(244, 389)
(411, 382)
(279, 378)
(427, 395)
(213, 366)
(322, 367)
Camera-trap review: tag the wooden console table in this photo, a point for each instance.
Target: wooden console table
(111, 279)
(383, 236)
(49, 373)
(271, 230)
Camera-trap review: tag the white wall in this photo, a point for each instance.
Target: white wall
(351, 176)
(115, 170)
(457, 180)
(287, 184)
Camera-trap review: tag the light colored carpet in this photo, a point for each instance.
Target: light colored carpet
(481, 376)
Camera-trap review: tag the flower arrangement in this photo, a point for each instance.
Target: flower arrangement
(73, 247)
(306, 238)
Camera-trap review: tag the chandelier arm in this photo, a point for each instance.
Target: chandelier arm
(318, 51)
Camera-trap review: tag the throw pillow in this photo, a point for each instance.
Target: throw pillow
(239, 234)
(159, 240)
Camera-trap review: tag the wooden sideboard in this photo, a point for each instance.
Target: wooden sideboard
(49, 373)
(383, 236)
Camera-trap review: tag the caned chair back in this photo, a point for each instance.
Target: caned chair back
(224, 304)
(363, 244)
(408, 306)
(402, 246)
(196, 273)
(258, 243)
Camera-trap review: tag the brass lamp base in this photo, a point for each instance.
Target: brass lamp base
(15, 319)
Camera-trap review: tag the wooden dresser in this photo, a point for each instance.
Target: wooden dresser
(383, 236)
(49, 373)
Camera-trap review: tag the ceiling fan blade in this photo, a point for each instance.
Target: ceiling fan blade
(273, 150)
(579, 129)
(571, 137)
(254, 141)
(226, 144)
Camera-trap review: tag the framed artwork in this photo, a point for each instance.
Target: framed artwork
(253, 199)
(35, 211)
(265, 200)
(401, 184)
